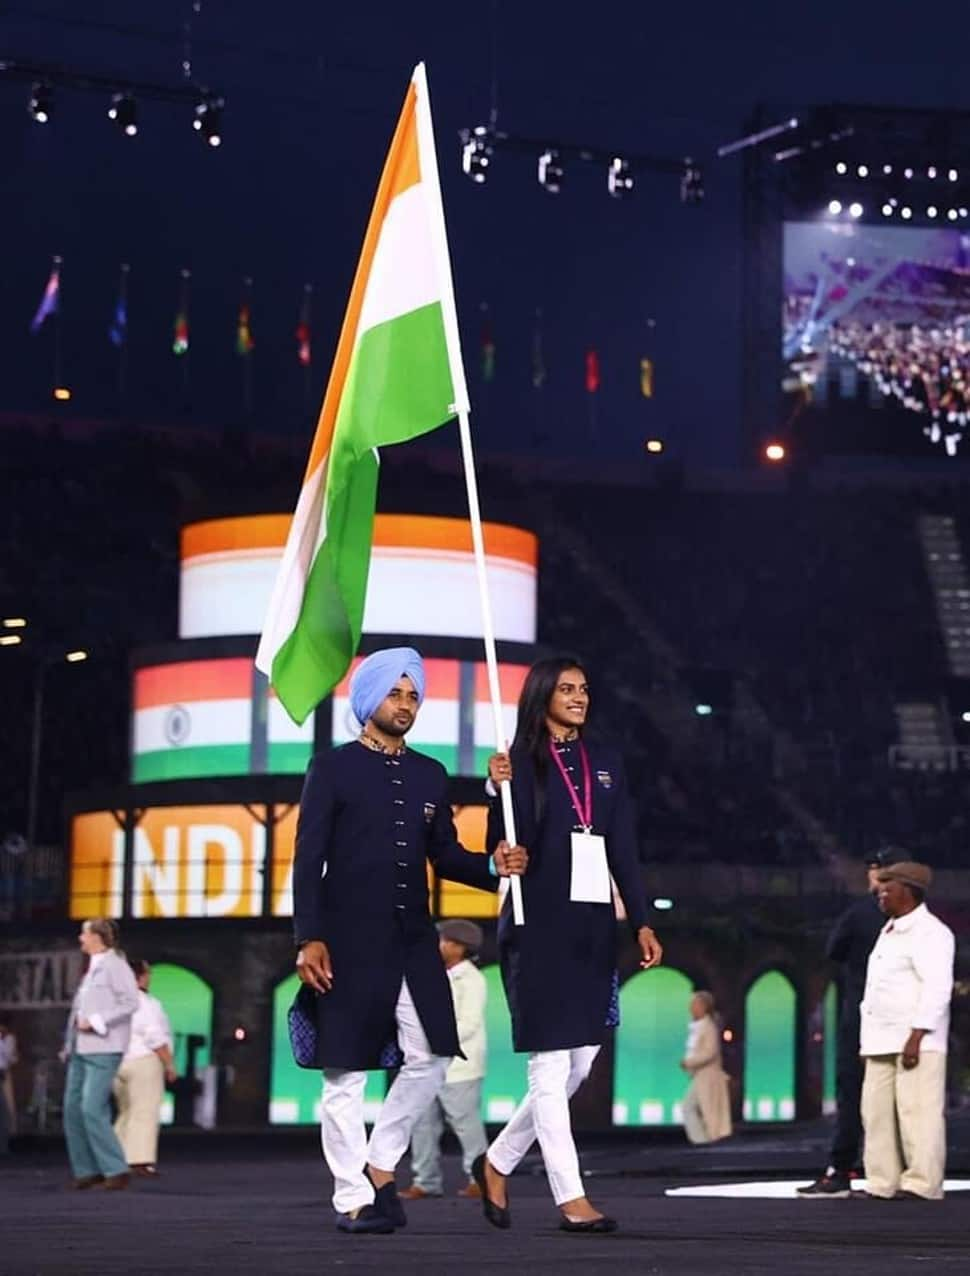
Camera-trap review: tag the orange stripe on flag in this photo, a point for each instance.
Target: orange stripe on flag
(511, 678)
(401, 171)
(189, 680)
(428, 532)
(216, 535)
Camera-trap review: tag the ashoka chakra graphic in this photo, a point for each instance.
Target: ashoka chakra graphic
(178, 724)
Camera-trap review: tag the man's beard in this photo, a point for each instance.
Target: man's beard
(388, 725)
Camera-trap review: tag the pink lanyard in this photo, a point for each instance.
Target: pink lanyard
(584, 811)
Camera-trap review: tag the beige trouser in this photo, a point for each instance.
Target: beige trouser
(902, 1112)
(138, 1089)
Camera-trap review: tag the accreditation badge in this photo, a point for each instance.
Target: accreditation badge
(589, 880)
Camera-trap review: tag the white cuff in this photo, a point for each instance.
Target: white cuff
(98, 1024)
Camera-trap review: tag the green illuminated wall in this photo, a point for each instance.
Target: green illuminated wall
(187, 1000)
(505, 1078)
(830, 1029)
(294, 1092)
(648, 1084)
(769, 1049)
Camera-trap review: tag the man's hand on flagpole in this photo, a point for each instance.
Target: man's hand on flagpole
(510, 861)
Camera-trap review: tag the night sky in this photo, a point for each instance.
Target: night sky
(313, 91)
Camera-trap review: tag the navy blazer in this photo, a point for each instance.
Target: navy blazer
(370, 824)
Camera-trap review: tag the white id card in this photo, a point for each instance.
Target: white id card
(589, 881)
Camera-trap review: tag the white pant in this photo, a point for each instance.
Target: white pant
(139, 1088)
(554, 1077)
(902, 1111)
(342, 1131)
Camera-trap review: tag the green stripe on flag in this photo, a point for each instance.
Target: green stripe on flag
(191, 761)
(398, 387)
(291, 757)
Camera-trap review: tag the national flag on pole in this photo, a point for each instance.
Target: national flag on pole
(592, 371)
(304, 348)
(397, 374)
(646, 378)
(488, 346)
(244, 336)
(180, 329)
(51, 299)
(118, 328)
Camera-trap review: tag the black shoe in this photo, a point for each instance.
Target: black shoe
(387, 1202)
(834, 1185)
(497, 1215)
(904, 1194)
(368, 1219)
(592, 1226)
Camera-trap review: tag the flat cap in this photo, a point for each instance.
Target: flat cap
(886, 855)
(462, 932)
(908, 872)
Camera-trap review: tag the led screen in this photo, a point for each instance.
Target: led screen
(876, 335)
(769, 1049)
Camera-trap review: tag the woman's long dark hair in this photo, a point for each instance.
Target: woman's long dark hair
(531, 733)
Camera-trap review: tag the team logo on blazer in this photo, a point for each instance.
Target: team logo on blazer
(429, 810)
(605, 779)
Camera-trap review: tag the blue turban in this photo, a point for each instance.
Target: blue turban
(375, 677)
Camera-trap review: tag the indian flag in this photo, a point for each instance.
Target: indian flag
(397, 374)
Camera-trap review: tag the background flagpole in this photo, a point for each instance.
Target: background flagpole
(488, 636)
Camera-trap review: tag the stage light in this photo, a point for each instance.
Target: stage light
(965, 716)
(476, 154)
(14, 622)
(907, 173)
(774, 452)
(931, 211)
(10, 640)
(663, 905)
(863, 170)
(550, 172)
(963, 211)
(887, 169)
(62, 394)
(124, 112)
(691, 183)
(727, 1035)
(655, 446)
(951, 214)
(953, 175)
(855, 210)
(39, 106)
(931, 172)
(835, 207)
(208, 119)
(75, 657)
(239, 1034)
(841, 167)
(619, 179)
(905, 213)
(887, 210)
(703, 710)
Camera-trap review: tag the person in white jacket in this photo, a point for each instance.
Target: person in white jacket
(905, 1020)
(458, 1102)
(95, 1041)
(139, 1086)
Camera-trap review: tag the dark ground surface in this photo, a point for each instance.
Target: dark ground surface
(259, 1203)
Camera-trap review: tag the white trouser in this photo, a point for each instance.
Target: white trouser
(554, 1077)
(139, 1088)
(902, 1111)
(342, 1131)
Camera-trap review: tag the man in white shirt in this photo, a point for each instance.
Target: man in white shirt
(905, 1020)
(458, 1102)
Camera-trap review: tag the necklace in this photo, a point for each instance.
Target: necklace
(378, 746)
(568, 738)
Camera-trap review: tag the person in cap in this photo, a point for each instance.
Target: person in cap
(373, 815)
(849, 946)
(459, 1101)
(905, 1024)
(574, 811)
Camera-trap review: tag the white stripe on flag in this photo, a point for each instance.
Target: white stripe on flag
(402, 276)
(281, 729)
(197, 723)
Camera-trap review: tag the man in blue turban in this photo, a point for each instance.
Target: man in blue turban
(373, 815)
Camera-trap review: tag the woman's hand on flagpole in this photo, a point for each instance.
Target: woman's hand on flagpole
(499, 768)
(510, 861)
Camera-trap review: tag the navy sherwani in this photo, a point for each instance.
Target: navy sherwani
(558, 968)
(369, 824)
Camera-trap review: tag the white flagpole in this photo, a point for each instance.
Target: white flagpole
(432, 186)
(488, 636)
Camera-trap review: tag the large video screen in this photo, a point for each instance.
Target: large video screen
(876, 336)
